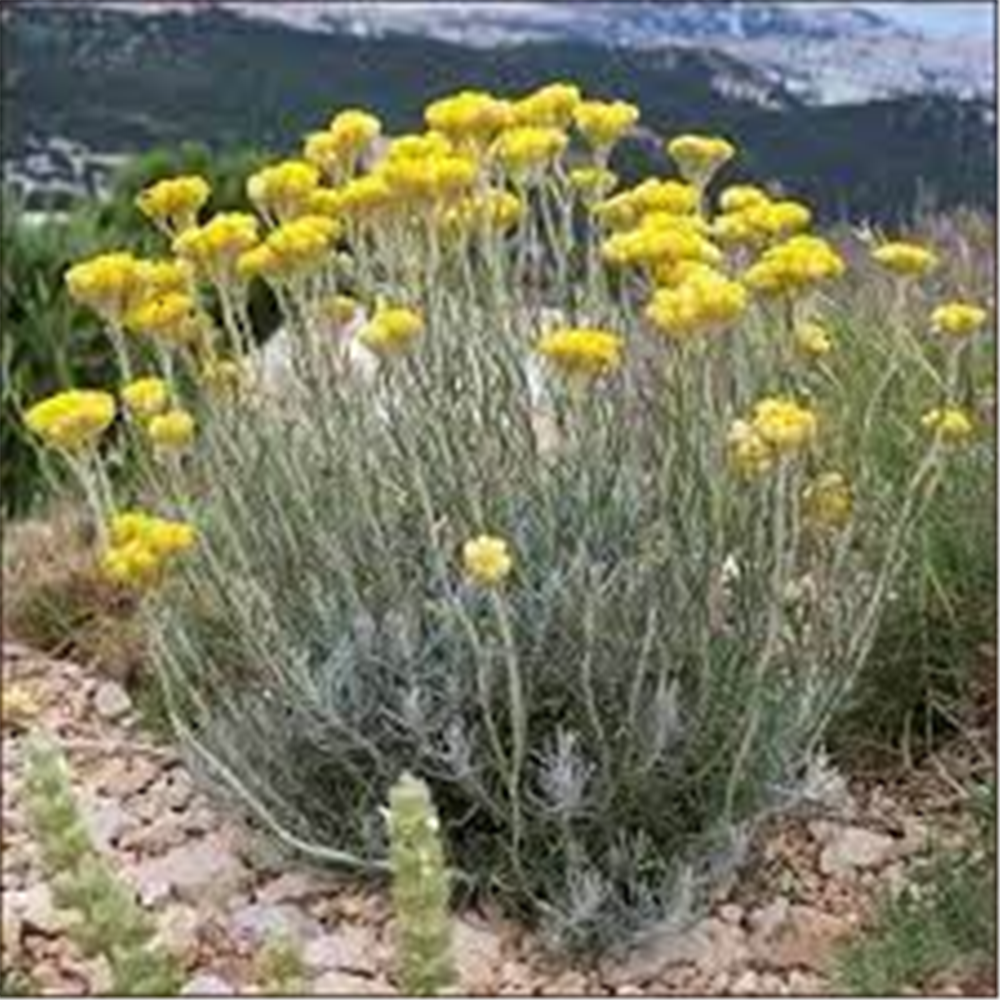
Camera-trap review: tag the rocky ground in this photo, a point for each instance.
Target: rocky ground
(811, 882)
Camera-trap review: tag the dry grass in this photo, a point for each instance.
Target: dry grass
(56, 601)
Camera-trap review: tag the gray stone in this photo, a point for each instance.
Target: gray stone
(339, 984)
(348, 949)
(194, 872)
(105, 819)
(848, 848)
(805, 939)
(205, 984)
(35, 909)
(478, 955)
(111, 701)
(257, 922)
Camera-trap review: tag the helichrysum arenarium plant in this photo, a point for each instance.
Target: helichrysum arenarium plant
(569, 502)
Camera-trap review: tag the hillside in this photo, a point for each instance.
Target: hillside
(120, 83)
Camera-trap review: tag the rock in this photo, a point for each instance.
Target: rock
(804, 939)
(205, 984)
(122, 779)
(848, 848)
(100, 978)
(178, 931)
(35, 909)
(111, 701)
(350, 948)
(805, 984)
(257, 922)
(766, 920)
(194, 872)
(334, 984)
(159, 836)
(731, 913)
(291, 887)
(179, 790)
(478, 955)
(746, 985)
(714, 946)
(568, 984)
(105, 819)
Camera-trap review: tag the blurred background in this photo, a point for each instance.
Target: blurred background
(876, 114)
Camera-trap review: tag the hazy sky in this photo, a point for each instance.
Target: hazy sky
(941, 18)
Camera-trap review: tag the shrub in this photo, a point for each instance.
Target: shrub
(582, 506)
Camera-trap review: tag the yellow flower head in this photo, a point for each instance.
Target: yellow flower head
(142, 547)
(419, 147)
(174, 203)
(365, 198)
(172, 317)
(470, 118)
(171, 431)
(107, 284)
(487, 560)
(603, 123)
(335, 151)
(626, 209)
(593, 183)
(552, 107)
(146, 397)
(704, 300)
(293, 248)
(341, 309)
(958, 319)
(812, 340)
(215, 247)
(222, 377)
(749, 454)
(905, 259)
(527, 149)
(783, 424)
(828, 500)
(661, 238)
(698, 157)
(499, 209)
(794, 266)
(418, 182)
(73, 419)
(949, 423)
(777, 219)
(582, 352)
(391, 330)
(284, 189)
(738, 197)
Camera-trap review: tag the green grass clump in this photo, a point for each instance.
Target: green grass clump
(942, 923)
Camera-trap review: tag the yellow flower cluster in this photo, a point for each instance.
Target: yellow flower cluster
(426, 180)
(698, 157)
(552, 106)
(582, 352)
(142, 547)
(108, 284)
(526, 150)
(905, 259)
(487, 560)
(661, 239)
(777, 426)
(958, 319)
(392, 330)
(627, 208)
(283, 191)
(828, 500)
(703, 301)
(949, 423)
(794, 266)
(73, 419)
(292, 249)
(593, 183)
(215, 247)
(171, 431)
(174, 203)
(751, 218)
(812, 340)
(146, 397)
(470, 118)
(336, 150)
(171, 316)
(603, 123)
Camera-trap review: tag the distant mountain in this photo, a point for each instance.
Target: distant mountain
(89, 78)
(825, 54)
